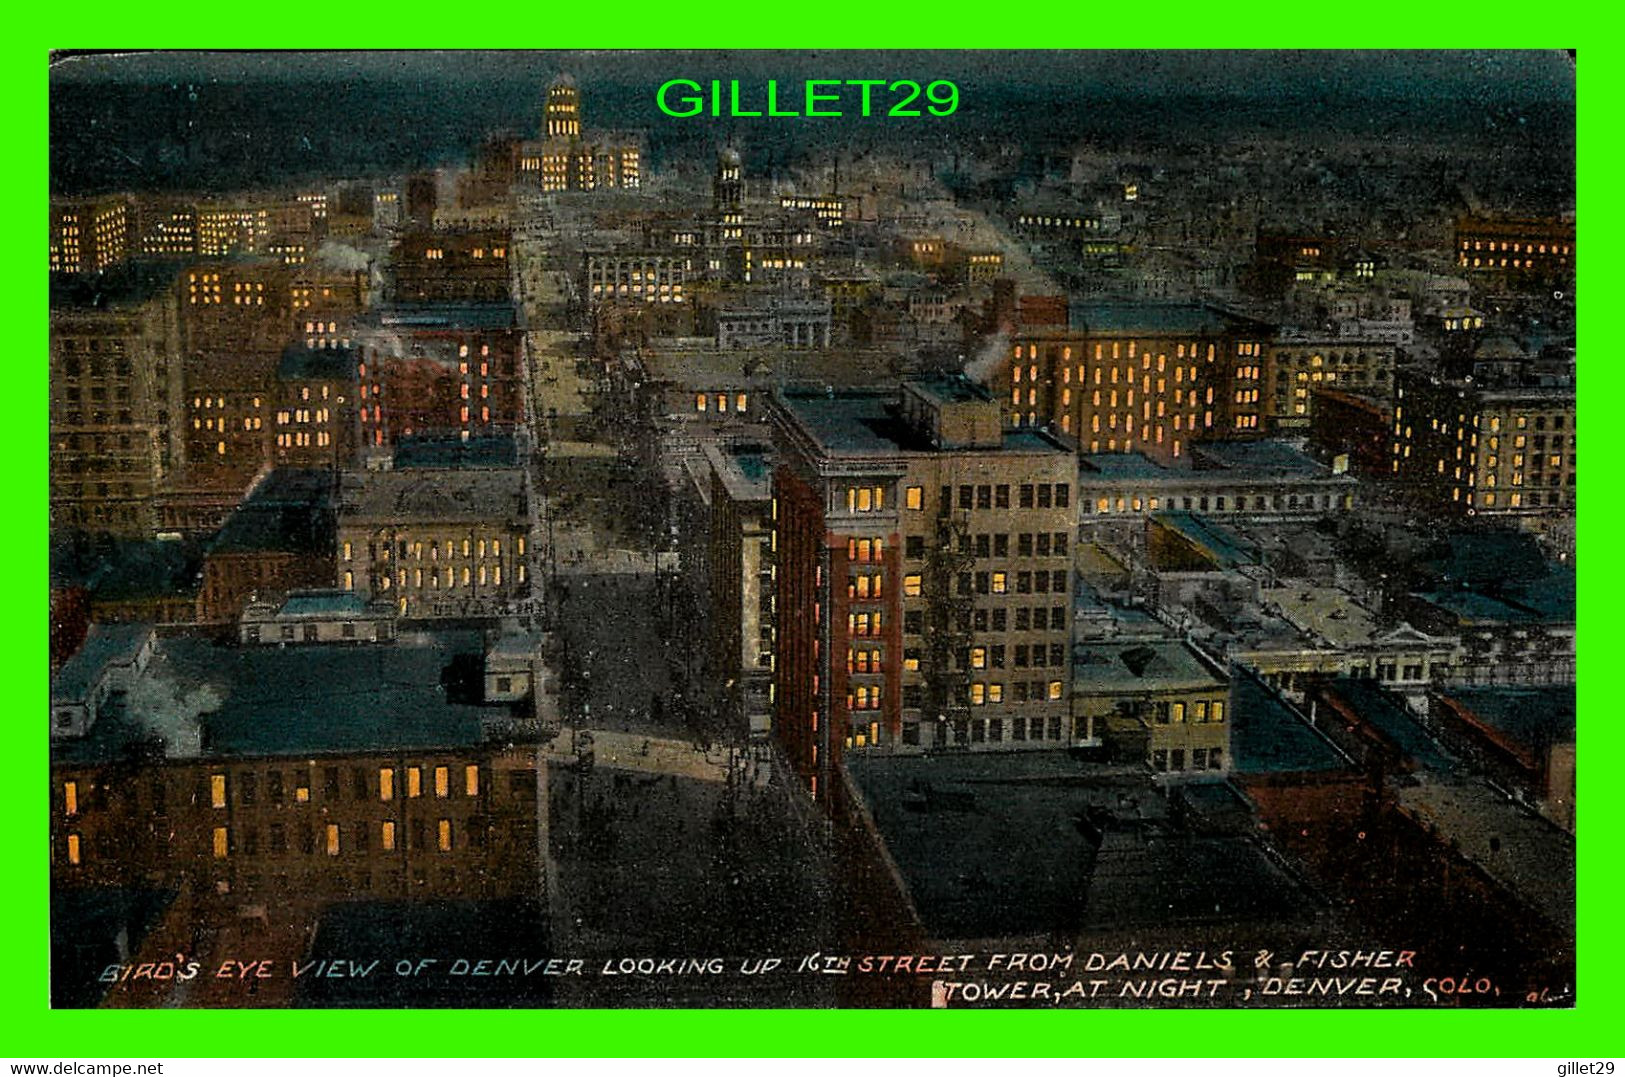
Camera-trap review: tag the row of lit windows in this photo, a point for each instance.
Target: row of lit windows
(415, 549)
(222, 845)
(703, 402)
(1530, 248)
(493, 577)
(863, 624)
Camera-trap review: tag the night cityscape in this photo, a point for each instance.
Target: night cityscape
(1106, 542)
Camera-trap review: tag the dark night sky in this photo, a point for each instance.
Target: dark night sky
(119, 121)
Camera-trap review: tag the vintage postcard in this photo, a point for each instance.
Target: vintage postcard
(943, 529)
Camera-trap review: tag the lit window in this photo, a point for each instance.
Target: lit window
(445, 835)
(915, 497)
(388, 837)
(222, 842)
(73, 848)
(471, 780)
(998, 583)
(911, 586)
(70, 798)
(217, 790)
(332, 839)
(1054, 689)
(386, 783)
(442, 782)
(414, 782)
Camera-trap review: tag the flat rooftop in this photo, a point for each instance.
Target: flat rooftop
(1148, 665)
(204, 700)
(1226, 549)
(485, 494)
(1029, 843)
(1267, 736)
(1387, 714)
(1531, 716)
(423, 451)
(866, 422)
(1157, 319)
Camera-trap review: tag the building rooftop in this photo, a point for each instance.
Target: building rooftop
(1527, 856)
(1268, 736)
(323, 603)
(201, 699)
(745, 470)
(125, 285)
(1263, 457)
(106, 644)
(866, 422)
(1225, 549)
(300, 363)
(1028, 843)
(1531, 717)
(487, 494)
(448, 316)
(424, 451)
(1141, 666)
(1386, 713)
(1154, 318)
(123, 570)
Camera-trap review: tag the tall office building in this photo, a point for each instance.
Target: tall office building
(924, 575)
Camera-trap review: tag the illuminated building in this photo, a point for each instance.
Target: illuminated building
(567, 159)
(923, 576)
(1167, 692)
(433, 543)
(828, 210)
(635, 275)
(451, 266)
(1484, 449)
(438, 369)
(283, 797)
(89, 237)
(1153, 378)
(1253, 480)
(1299, 366)
(116, 397)
(315, 400)
(1522, 251)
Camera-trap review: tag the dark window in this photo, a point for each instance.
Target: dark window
(1060, 544)
(279, 838)
(1001, 545)
(1024, 545)
(1057, 654)
(984, 497)
(912, 697)
(964, 497)
(911, 733)
(273, 786)
(1043, 495)
(247, 788)
(330, 783)
(996, 655)
(1001, 496)
(964, 583)
(914, 547)
(998, 620)
(1063, 495)
(1026, 496)
(980, 620)
(983, 545)
(913, 622)
(1043, 545)
(1024, 583)
(981, 583)
(1058, 582)
(1021, 656)
(1023, 619)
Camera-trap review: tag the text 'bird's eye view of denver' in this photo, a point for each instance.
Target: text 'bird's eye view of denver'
(812, 529)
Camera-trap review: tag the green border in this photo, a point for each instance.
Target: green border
(34, 1030)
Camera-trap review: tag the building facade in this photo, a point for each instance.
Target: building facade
(923, 575)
